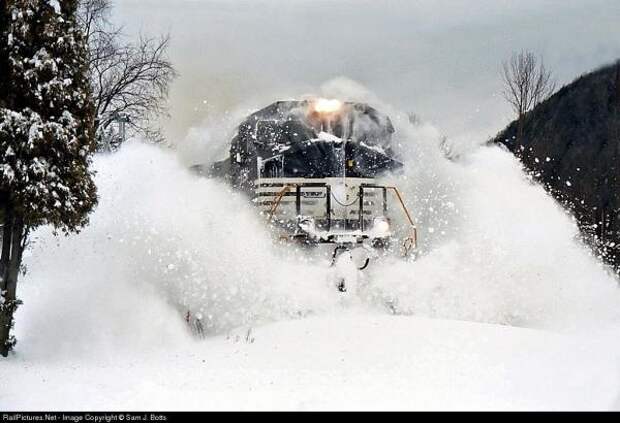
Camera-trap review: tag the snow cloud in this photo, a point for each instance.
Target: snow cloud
(438, 59)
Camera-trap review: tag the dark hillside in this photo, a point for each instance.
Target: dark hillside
(571, 144)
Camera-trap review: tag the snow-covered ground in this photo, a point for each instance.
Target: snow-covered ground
(502, 310)
(345, 361)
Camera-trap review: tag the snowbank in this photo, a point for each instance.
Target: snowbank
(102, 321)
(334, 362)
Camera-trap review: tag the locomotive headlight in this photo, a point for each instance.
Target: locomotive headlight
(324, 105)
(380, 227)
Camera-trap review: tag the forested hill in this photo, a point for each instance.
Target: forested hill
(571, 144)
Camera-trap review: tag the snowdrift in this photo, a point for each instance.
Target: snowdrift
(342, 361)
(108, 304)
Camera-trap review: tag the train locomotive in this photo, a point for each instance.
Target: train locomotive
(316, 170)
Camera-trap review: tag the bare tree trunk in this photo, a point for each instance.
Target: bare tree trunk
(6, 247)
(14, 230)
(520, 123)
(618, 82)
(526, 83)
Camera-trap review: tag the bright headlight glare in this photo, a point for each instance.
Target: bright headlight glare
(381, 226)
(324, 105)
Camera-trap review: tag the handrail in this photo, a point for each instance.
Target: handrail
(412, 240)
(409, 243)
(402, 203)
(275, 205)
(345, 205)
(398, 195)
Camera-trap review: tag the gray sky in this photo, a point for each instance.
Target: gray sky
(438, 58)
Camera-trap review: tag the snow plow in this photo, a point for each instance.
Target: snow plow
(316, 170)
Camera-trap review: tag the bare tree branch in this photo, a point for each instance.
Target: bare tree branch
(526, 83)
(129, 78)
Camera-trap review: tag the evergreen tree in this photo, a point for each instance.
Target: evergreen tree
(46, 133)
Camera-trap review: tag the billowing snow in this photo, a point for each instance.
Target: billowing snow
(55, 4)
(327, 137)
(503, 309)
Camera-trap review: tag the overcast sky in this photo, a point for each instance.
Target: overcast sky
(437, 58)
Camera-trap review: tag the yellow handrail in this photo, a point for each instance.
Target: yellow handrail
(402, 204)
(411, 241)
(276, 204)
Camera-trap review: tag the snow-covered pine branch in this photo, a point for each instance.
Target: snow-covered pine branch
(46, 132)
